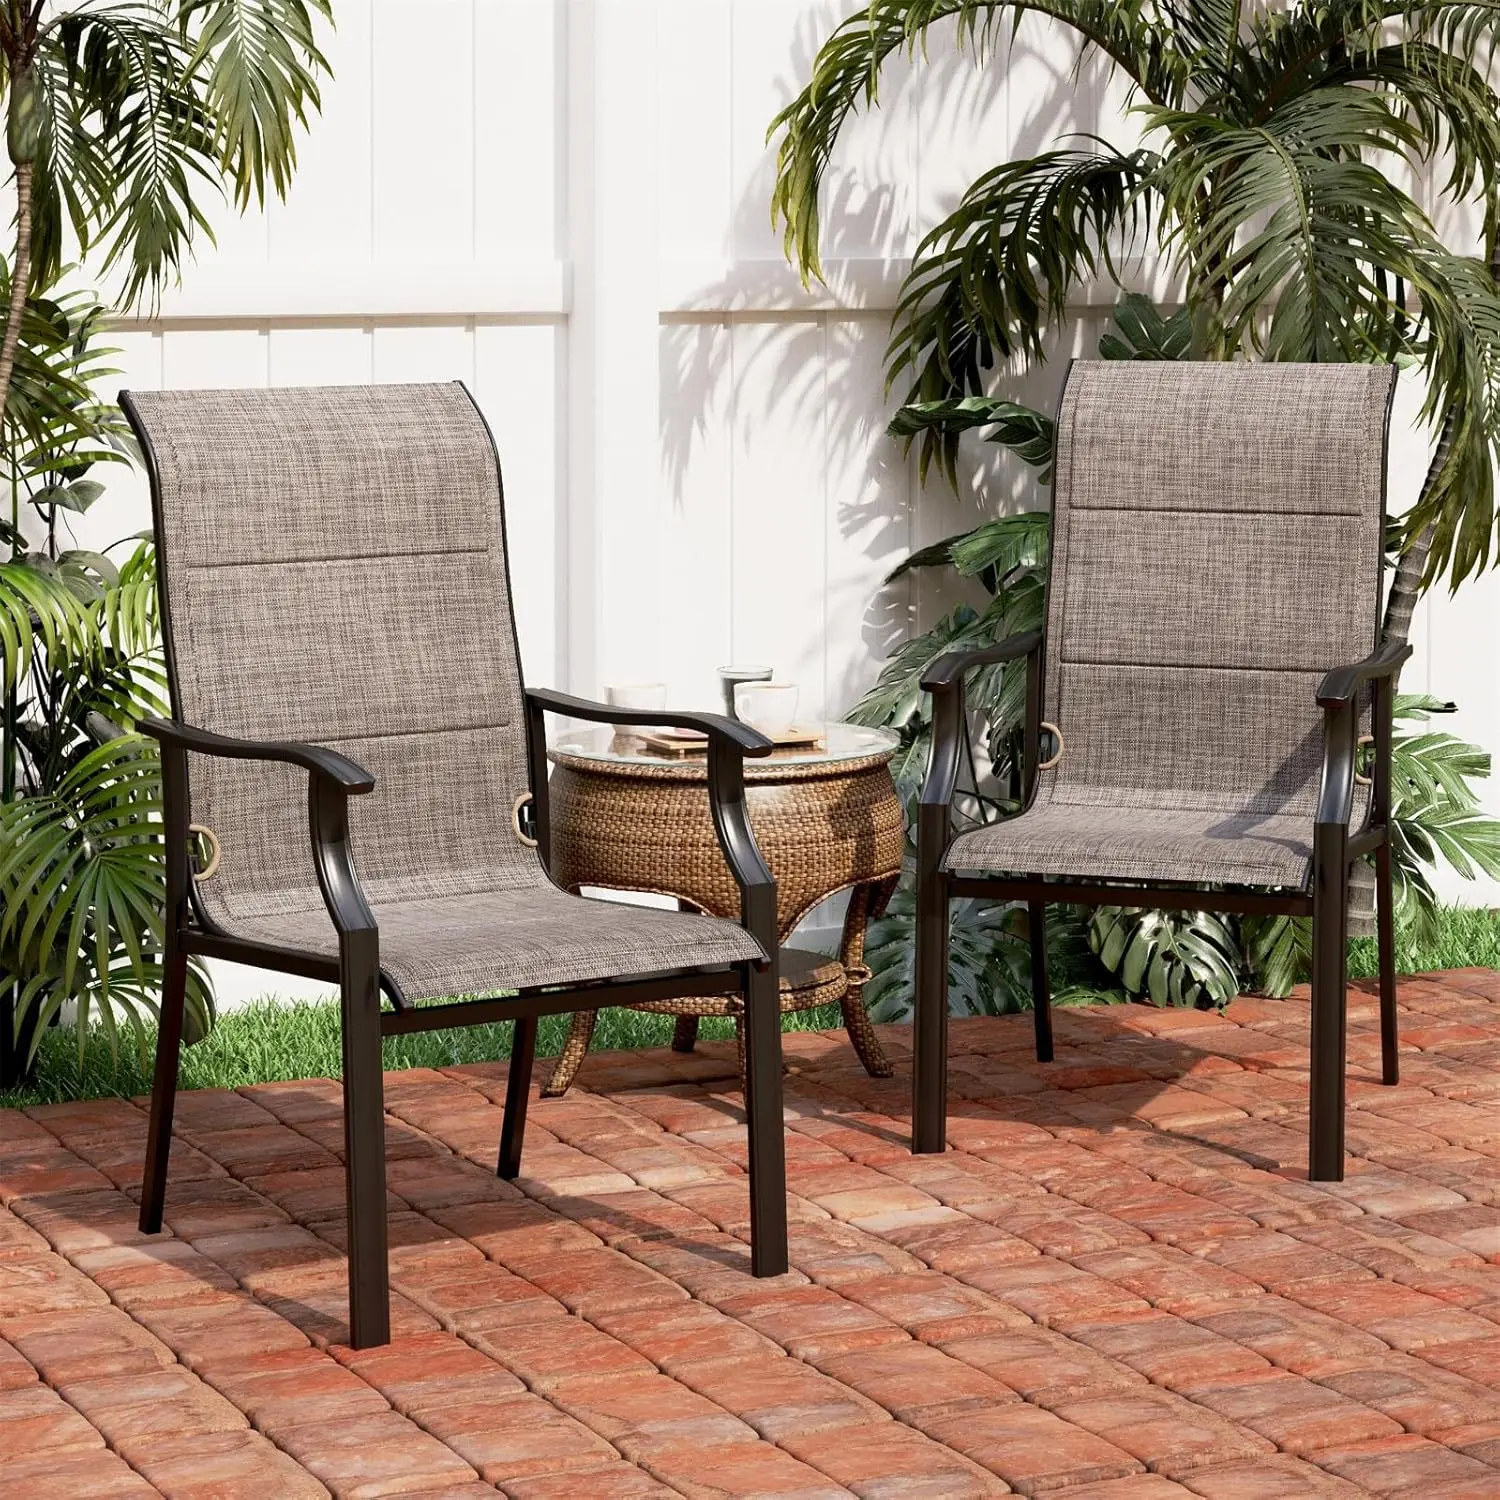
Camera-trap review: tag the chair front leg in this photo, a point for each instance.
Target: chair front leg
(1329, 992)
(1385, 921)
(364, 1140)
(1383, 710)
(175, 818)
(763, 1107)
(929, 1108)
(929, 1072)
(164, 1086)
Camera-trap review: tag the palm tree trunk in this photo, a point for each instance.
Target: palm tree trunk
(20, 280)
(1406, 586)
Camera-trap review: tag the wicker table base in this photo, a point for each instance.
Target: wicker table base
(826, 821)
(807, 981)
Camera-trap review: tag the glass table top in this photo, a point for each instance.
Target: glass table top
(836, 742)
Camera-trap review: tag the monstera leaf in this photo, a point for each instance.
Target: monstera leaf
(1171, 957)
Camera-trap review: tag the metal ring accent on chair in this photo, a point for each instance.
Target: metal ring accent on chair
(515, 819)
(212, 867)
(1364, 739)
(1057, 734)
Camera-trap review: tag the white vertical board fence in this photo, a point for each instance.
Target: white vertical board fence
(564, 204)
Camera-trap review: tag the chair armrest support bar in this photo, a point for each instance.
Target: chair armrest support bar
(949, 671)
(1341, 684)
(944, 679)
(328, 764)
(1337, 697)
(1340, 732)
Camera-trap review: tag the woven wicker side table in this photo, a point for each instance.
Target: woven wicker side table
(826, 819)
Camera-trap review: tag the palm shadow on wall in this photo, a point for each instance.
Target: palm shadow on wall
(763, 369)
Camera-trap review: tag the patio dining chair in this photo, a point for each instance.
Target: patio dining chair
(336, 608)
(1208, 662)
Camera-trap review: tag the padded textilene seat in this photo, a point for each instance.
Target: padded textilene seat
(1142, 843)
(516, 939)
(1205, 670)
(352, 730)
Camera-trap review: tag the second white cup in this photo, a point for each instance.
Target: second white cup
(770, 707)
(636, 695)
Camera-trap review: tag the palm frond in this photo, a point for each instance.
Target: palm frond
(1028, 433)
(39, 613)
(260, 63)
(130, 71)
(990, 280)
(846, 77)
(1323, 220)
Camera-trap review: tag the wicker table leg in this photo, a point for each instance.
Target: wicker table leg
(685, 1033)
(865, 901)
(570, 1059)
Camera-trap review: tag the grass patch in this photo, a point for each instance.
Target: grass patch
(1468, 937)
(270, 1042)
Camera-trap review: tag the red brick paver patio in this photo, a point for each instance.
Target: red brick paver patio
(1115, 1284)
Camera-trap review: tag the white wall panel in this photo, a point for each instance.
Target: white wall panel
(326, 219)
(698, 485)
(517, 56)
(519, 382)
(320, 354)
(422, 130)
(780, 544)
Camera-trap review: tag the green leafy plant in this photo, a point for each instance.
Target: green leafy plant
(124, 119)
(81, 878)
(1275, 145)
(989, 958)
(1435, 818)
(1187, 958)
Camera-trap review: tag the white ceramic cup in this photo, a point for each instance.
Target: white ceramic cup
(636, 694)
(770, 707)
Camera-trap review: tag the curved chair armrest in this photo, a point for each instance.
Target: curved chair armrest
(332, 780)
(729, 742)
(950, 669)
(1341, 684)
(747, 740)
(329, 764)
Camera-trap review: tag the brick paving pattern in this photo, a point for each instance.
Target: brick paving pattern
(1116, 1284)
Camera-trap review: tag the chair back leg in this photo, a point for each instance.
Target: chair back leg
(364, 1141)
(1385, 922)
(929, 1109)
(763, 1110)
(1041, 990)
(164, 1088)
(1329, 994)
(518, 1095)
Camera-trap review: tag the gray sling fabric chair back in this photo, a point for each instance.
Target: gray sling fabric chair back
(351, 727)
(1205, 671)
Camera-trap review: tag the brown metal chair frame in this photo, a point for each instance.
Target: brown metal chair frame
(332, 780)
(1326, 898)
